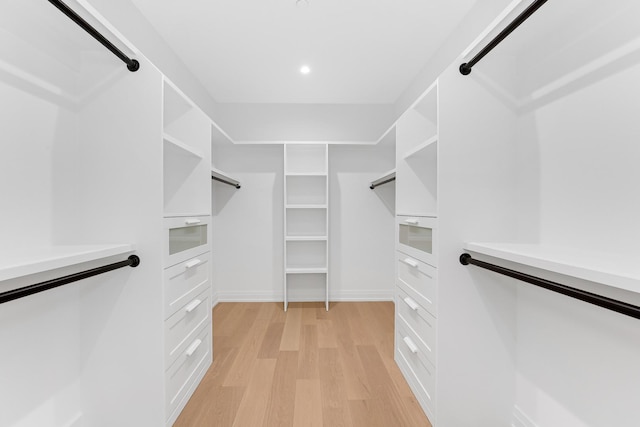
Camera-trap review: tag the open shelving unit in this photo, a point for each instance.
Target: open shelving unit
(417, 157)
(306, 221)
(186, 148)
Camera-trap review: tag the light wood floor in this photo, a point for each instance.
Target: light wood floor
(305, 367)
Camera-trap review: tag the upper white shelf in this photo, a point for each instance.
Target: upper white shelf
(218, 175)
(306, 206)
(423, 147)
(306, 174)
(180, 148)
(14, 264)
(616, 270)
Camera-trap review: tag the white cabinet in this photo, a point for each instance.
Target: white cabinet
(306, 222)
(186, 248)
(416, 293)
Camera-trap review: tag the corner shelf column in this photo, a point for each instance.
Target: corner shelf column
(306, 221)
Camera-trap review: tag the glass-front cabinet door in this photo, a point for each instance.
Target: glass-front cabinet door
(417, 237)
(185, 237)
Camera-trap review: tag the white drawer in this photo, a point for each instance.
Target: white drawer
(423, 373)
(184, 281)
(418, 279)
(420, 321)
(184, 238)
(180, 328)
(182, 373)
(417, 237)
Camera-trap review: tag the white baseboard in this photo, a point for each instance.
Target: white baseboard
(520, 419)
(262, 296)
(215, 299)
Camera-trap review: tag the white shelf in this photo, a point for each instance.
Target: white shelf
(14, 264)
(391, 175)
(305, 238)
(306, 206)
(309, 270)
(218, 174)
(616, 270)
(306, 174)
(422, 148)
(179, 147)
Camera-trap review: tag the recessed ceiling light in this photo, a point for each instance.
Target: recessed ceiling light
(305, 69)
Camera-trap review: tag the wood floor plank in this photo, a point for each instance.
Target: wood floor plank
(326, 334)
(355, 375)
(270, 347)
(219, 409)
(240, 372)
(254, 402)
(291, 334)
(383, 389)
(335, 409)
(308, 407)
(308, 356)
(281, 403)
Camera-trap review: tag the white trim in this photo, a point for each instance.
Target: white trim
(266, 296)
(215, 299)
(283, 142)
(520, 419)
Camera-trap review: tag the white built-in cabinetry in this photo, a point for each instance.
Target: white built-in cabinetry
(534, 167)
(306, 222)
(416, 292)
(187, 256)
(99, 162)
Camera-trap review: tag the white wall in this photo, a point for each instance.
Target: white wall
(577, 363)
(248, 225)
(362, 239)
(305, 122)
(476, 20)
(569, 135)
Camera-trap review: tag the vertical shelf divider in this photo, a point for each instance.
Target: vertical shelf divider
(306, 218)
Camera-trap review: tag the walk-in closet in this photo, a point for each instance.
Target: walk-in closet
(319, 213)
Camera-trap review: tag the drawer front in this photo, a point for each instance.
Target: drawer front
(184, 371)
(184, 281)
(180, 328)
(184, 238)
(420, 280)
(420, 321)
(423, 372)
(417, 237)
(426, 402)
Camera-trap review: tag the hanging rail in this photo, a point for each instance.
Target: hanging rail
(234, 183)
(599, 300)
(375, 184)
(467, 66)
(132, 64)
(132, 261)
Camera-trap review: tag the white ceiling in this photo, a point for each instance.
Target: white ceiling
(359, 51)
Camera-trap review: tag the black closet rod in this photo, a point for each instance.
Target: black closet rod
(132, 64)
(599, 300)
(466, 67)
(235, 184)
(372, 186)
(132, 261)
